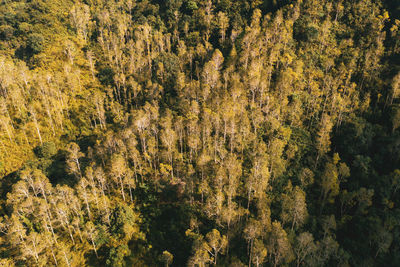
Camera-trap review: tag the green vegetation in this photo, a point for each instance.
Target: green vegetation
(200, 133)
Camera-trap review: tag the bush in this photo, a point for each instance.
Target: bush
(47, 150)
(35, 43)
(6, 32)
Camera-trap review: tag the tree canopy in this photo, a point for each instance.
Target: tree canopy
(200, 133)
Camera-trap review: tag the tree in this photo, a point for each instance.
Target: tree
(47, 150)
(383, 240)
(73, 156)
(223, 24)
(259, 253)
(167, 258)
(7, 262)
(124, 224)
(215, 244)
(168, 138)
(279, 246)
(117, 255)
(294, 207)
(323, 136)
(331, 176)
(92, 232)
(252, 232)
(35, 43)
(211, 73)
(200, 248)
(258, 179)
(304, 247)
(396, 119)
(80, 18)
(119, 172)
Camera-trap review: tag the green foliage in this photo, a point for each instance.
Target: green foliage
(46, 150)
(117, 255)
(191, 5)
(124, 223)
(35, 43)
(6, 32)
(199, 132)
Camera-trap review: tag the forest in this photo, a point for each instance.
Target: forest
(200, 133)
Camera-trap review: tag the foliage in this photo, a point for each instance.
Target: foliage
(199, 132)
